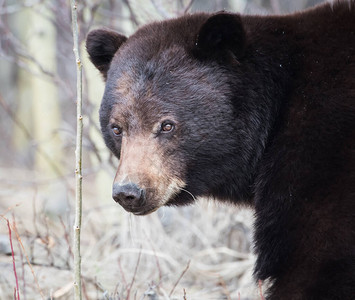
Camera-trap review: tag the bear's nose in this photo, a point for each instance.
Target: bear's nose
(129, 195)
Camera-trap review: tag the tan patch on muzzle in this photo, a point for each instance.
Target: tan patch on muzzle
(142, 162)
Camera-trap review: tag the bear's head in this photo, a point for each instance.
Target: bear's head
(175, 112)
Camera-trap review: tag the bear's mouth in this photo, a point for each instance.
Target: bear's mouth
(140, 211)
(148, 209)
(145, 212)
(143, 201)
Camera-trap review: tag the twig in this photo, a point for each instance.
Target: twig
(50, 266)
(22, 261)
(13, 262)
(67, 239)
(225, 289)
(177, 282)
(84, 291)
(28, 261)
(46, 242)
(78, 156)
(160, 10)
(155, 256)
(134, 274)
(131, 11)
(35, 218)
(188, 6)
(10, 208)
(121, 271)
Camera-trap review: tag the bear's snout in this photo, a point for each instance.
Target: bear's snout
(129, 196)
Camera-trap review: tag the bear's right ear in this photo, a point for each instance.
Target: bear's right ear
(102, 44)
(222, 31)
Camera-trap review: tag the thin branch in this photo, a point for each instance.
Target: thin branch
(177, 282)
(25, 253)
(131, 12)
(188, 6)
(160, 10)
(121, 271)
(225, 288)
(13, 263)
(28, 261)
(78, 156)
(134, 274)
(21, 259)
(155, 256)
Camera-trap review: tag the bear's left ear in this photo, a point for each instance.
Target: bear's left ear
(222, 31)
(102, 45)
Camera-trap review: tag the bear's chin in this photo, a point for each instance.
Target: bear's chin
(141, 211)
(146, 211)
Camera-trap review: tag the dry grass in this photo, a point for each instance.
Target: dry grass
(197, 252)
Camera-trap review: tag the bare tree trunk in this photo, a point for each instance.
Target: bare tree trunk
(44, 95)
(24, 94)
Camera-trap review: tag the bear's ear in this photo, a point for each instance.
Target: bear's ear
(222, 31)
(102, 44)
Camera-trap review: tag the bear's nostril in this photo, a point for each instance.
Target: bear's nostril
(127, 194)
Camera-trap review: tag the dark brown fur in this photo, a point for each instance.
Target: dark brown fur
(263, 110)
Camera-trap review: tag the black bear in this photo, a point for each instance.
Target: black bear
(257, 110)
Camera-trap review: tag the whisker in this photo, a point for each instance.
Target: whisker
(193, 197)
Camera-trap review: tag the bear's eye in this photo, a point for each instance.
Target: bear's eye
(167, 126)
(116, 130)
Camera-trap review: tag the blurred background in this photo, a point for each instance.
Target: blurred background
(198, 252)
